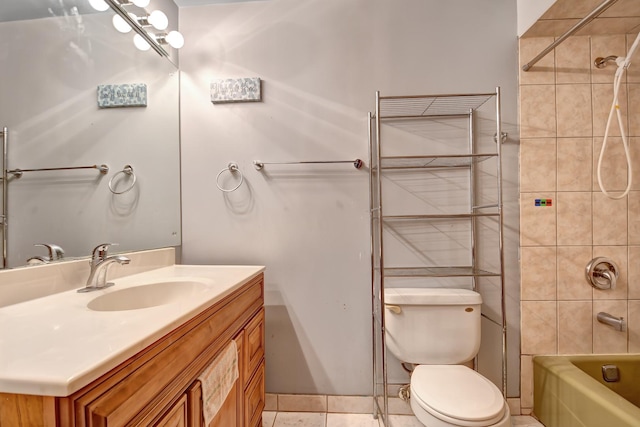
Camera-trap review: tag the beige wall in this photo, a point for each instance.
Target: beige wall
(564, 103)
(321, 62)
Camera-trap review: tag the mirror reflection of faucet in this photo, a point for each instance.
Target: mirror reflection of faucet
(602, 273)
(100, 262)
(56, 253)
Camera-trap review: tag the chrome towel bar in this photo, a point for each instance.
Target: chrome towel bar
(104, 169)
(357, 163)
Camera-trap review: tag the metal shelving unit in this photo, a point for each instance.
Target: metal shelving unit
(441, 161)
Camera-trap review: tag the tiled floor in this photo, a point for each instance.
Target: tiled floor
(321, 419)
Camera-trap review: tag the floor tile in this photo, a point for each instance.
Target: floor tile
(350, 404)
(300, 419)
(404, 421)
(270, 402)
(525, 421)
(302, 402)
(268, 418)
(351, 420)
(316, 419)
(398, 406)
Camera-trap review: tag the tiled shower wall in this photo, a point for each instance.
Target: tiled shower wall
(564, 104)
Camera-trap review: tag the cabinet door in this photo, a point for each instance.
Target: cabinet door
(176, 416)
(253, 345)
(227, 416)
(254, 399)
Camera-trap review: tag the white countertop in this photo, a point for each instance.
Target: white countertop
(55, 345)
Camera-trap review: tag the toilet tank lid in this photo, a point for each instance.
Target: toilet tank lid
(431, 296)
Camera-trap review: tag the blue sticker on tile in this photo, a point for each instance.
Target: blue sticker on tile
(124, 95)
(236, 90)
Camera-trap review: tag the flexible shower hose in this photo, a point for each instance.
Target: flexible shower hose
(623, 63)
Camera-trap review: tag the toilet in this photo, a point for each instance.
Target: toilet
(438, 330)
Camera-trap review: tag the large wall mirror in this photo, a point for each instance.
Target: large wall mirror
(53, 56)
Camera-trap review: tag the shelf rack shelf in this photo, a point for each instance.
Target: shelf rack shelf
(433, 162)
(459, 271)
(447, 125)
(419, 106)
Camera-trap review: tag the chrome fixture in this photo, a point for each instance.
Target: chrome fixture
(100, 262)
(126, 171)
(124, 21)
(17, 173)
(617, 323)
(56, 253)
(5, 197)
(232, 168)
(601, 62)
(584, 21)
(602, 273)
(404, 392)
(610, 373)
(357, 163)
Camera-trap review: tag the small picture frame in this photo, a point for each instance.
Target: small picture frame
(122, 95)
(247, 89)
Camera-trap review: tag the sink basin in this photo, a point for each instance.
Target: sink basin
(148, 295)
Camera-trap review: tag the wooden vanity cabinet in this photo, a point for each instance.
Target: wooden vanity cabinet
(159, 386)
(245, 403)
(253, 371)
(176, 416)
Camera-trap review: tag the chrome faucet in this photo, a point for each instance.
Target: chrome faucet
(56, 253)
(100, 262)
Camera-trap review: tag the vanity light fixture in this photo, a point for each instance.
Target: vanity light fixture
(140, 3)
(174, 39)
(124, 22)
(120, 24)
(140, 43)
(157, 19)
(99, 5)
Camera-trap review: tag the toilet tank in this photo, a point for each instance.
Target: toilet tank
(430, 326)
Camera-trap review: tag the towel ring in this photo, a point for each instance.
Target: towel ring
(232, 168)
(127, 170)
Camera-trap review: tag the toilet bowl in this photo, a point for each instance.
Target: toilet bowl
(456, 396)
(438, 331)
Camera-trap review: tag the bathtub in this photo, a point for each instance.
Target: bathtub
(570, 391)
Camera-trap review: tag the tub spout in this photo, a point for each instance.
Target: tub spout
(617, 323)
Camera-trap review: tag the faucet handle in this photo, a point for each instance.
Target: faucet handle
(55, 251)
(101, 251)
(602, 273)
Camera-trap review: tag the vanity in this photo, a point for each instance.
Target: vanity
(131, 354)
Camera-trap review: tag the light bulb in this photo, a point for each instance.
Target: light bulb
(141, 43)
(158, 20)
(141, 3)
(99, 5)
(175, 39)
(120, 24)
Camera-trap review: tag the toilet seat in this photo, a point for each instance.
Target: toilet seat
(457, 395)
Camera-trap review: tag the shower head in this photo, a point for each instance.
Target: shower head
(620, 61)
(601, 62)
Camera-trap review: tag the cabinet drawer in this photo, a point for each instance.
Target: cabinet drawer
(253, 344)
(254, 399)
(176, 416)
